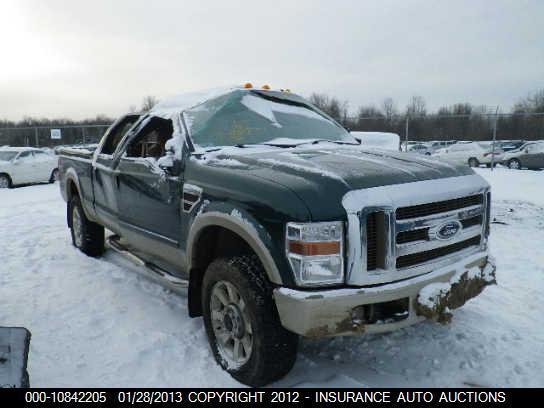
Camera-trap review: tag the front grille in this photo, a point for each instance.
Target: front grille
(423, 210)
(421, 257)
(421, 234)
(470, 222)
(372, 241)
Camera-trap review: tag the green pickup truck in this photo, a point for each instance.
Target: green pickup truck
(277, 223)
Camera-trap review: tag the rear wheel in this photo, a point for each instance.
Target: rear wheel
(5, 181)
(87, 236)
(473, 162)
(54, 176)
(242, 323)
(514, 164)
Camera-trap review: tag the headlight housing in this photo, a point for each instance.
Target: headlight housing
(316, 252)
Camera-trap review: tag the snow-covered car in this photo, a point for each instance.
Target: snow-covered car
(433, 146)
(509, 145)
(420, 148)
(472, 153)
(530, 155)
(25, 165)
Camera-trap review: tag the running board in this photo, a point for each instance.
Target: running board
(156, 271)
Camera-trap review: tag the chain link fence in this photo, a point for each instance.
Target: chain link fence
(474, 127)
(431, 127)
(51, 136)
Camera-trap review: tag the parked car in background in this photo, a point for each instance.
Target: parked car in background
(435, 145)
(530, 155)
(420, 148)
(25, 165)
(509, 145)
(473, 153)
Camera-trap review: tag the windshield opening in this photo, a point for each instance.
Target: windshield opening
(242, 118)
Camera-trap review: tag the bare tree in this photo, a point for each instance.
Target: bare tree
(533, 103)
(417, 106)
(389, 109)
(332, 106)
(148, 103)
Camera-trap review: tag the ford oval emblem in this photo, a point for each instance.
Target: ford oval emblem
(448, 230)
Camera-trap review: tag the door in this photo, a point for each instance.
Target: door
(533, 156)
(45, 163)
(24, 168)
(149, 197)
(105, 187)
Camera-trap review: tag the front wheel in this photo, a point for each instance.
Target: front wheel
(473, 162)
(514, 164)
(5, 181)
(242, 323)
(87, 236)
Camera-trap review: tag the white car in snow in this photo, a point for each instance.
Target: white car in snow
(25, 165)
(472, 153)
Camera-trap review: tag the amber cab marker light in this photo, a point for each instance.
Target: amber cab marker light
(266, 87)
(314, 248)
(248, 85)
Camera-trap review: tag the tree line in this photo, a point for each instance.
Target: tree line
(460, 121)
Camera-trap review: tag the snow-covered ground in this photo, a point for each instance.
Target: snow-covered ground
(95, 322)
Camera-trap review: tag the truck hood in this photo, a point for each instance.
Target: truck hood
(321, 174)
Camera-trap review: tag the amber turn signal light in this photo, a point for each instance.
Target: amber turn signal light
(314, 248)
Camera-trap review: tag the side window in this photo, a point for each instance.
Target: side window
(25, 156)
(115, 136)
(41, 155)
(535, 148)
(152, 138)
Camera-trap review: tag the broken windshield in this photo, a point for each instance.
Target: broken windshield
(253, 117)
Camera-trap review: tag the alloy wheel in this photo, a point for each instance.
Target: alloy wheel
(231, 324)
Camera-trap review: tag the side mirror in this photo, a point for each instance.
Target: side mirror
(526, 150)
(359, 140)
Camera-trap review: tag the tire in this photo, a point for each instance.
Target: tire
(473, 162)
(267, 350)
(514, 164)
(5, 181)
(54, 176)
(87, 236)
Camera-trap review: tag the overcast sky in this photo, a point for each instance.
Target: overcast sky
(81, 58)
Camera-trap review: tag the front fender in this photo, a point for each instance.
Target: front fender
(241, 223)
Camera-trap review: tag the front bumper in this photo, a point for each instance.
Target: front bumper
(335, 312)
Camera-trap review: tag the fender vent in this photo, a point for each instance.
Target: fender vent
(191, 197)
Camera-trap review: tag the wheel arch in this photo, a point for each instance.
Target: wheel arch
(215, 234)
(3, 173)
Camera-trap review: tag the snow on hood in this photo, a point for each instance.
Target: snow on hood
(353, 167)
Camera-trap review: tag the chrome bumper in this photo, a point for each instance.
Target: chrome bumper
(331, 312)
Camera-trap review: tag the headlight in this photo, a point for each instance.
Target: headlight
(316, 252)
